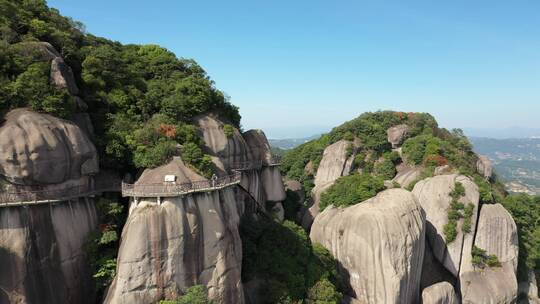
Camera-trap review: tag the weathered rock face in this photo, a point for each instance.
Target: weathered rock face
(440, 293)
(433, 271)
(185, 241)
(397, 135)
(379, 244)
(259, 146)
(497, 234)
(272, 184)
(42, 256)
(37, 149)
(433, 194)
(442, 170)
(484, 166)
(334, 164)
(61, 75)
(244, 150)
(226, 152)
(407, 176)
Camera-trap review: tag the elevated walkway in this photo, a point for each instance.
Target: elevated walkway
(23, 197)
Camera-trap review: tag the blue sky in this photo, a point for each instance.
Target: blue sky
(299, 67)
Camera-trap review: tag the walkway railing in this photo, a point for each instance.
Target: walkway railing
(27, 197)
(169, 189)
(256, 164)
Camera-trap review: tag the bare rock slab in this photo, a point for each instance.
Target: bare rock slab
(379, 244)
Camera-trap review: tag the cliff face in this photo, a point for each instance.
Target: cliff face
(248, 151)
(379, 244)
(183, 241)
(41, 253)
(194, 238)
(336, 162)
(433, 194)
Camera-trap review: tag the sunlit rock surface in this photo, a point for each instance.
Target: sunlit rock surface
(42, 255)
(37, 149)
(379, 244)
(433, 194)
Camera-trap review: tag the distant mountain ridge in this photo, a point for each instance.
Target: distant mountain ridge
(290, 143)
(516, 161)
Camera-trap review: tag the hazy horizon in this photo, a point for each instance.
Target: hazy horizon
(296, 65)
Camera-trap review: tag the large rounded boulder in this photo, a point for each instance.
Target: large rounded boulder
(379, 245)
(397, 135)
(497, 235)
(39, 149)
(440, 293)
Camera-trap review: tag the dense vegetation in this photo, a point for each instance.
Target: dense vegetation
(196, 294)
(102, 246)
(427, 146)
(351, 189)
(291, 268)
(142, 99)
(369, 129)
(525, 210)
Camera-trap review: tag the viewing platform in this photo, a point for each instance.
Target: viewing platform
(171, 189)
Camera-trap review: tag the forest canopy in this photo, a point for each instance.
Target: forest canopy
(142, 99)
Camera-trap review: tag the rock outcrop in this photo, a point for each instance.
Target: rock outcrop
(259, 146)
(497, 234)
(250, 152)
(169, 246)
(433, 194)
(39, 149)
(484, 166)
(61, 75)
(42, 256)
(397, 135)
(440, 293)
(407, 176)
(336, 162)
(226, 151)
(379, 244)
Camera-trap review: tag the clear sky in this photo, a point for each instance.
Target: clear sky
(299, 67)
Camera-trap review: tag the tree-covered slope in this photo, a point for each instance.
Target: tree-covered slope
(141, 98)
